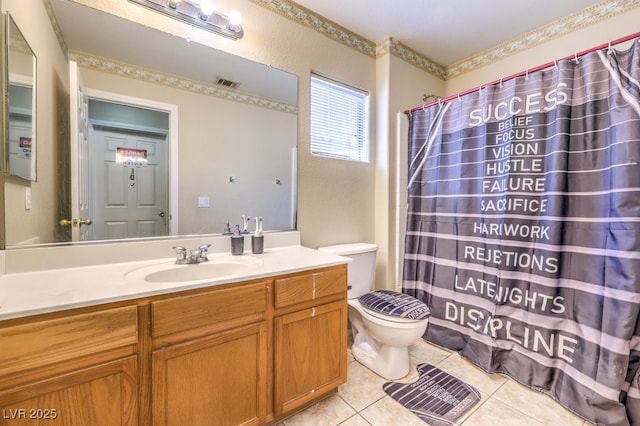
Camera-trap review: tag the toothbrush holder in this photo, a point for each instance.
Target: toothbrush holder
(257, 244)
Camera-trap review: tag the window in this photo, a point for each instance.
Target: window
(339, 120)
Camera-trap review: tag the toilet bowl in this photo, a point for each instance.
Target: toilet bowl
(384, 323)
(381, 342)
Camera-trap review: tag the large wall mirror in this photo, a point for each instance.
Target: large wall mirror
(21, 95)
(149, 134)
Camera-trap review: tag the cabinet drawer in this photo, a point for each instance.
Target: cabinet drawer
(308, 287)
(245, 303)
(48, 341)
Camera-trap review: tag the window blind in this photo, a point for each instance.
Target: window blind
(339, 120)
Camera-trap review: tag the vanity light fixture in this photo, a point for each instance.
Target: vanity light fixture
(199, 13)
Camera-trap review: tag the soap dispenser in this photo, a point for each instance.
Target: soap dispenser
(237, 242)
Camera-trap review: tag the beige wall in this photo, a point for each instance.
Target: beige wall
(400, 87)
(587, 38)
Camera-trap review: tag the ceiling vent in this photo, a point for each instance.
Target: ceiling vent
(229, 84)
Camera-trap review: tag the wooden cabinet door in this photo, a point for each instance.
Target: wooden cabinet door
(214, 380)
(310, 354)
(102, 395)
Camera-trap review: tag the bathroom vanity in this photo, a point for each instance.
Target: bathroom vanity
(245, 348)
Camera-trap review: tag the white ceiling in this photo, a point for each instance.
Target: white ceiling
(445, 31)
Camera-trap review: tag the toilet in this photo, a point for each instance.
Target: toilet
(383, 323)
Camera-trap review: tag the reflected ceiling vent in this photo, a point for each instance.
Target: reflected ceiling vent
(229, 84)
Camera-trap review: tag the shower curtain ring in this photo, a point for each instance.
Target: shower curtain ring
(500, 83)
(526, 74)
(575, 58)
(555, 63)
(609, 48)
(459, 99)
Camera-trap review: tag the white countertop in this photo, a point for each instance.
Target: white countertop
(30, 293)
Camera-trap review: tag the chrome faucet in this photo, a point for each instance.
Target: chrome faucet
(198, 255)
(203, 249)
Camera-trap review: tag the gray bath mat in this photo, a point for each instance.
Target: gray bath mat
(436, 397)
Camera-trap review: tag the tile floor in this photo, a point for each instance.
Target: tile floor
(362, 402)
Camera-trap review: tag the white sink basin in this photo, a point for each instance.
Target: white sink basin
(211, 270)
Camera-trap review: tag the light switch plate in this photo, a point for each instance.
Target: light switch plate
(203, 202)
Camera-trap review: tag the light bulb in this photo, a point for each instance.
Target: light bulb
(206, 7)
(173, 4)
(234, 18)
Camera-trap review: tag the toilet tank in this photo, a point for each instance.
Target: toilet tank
(361, 271)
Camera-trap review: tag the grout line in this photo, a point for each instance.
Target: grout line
(475, 408)
(355, 415)
(367, 406)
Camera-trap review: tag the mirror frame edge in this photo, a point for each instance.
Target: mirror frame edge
(3, 121)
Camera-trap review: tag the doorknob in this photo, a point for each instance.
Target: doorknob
(161, 214)
(75, 222)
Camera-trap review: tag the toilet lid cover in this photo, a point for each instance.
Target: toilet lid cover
(393, 303)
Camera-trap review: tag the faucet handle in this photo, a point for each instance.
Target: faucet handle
(181, 253)
(203, 252)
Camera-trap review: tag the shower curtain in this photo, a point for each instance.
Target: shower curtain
(523, 230)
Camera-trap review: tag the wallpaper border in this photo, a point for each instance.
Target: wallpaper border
(592, 15)
(151, 76)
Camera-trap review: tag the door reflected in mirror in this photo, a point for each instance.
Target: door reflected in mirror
(129, 166)
(120, 146)
(21, 93)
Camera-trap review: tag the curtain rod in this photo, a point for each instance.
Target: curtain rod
(575, 56)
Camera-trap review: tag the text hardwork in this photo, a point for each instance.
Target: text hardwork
(512, 230)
